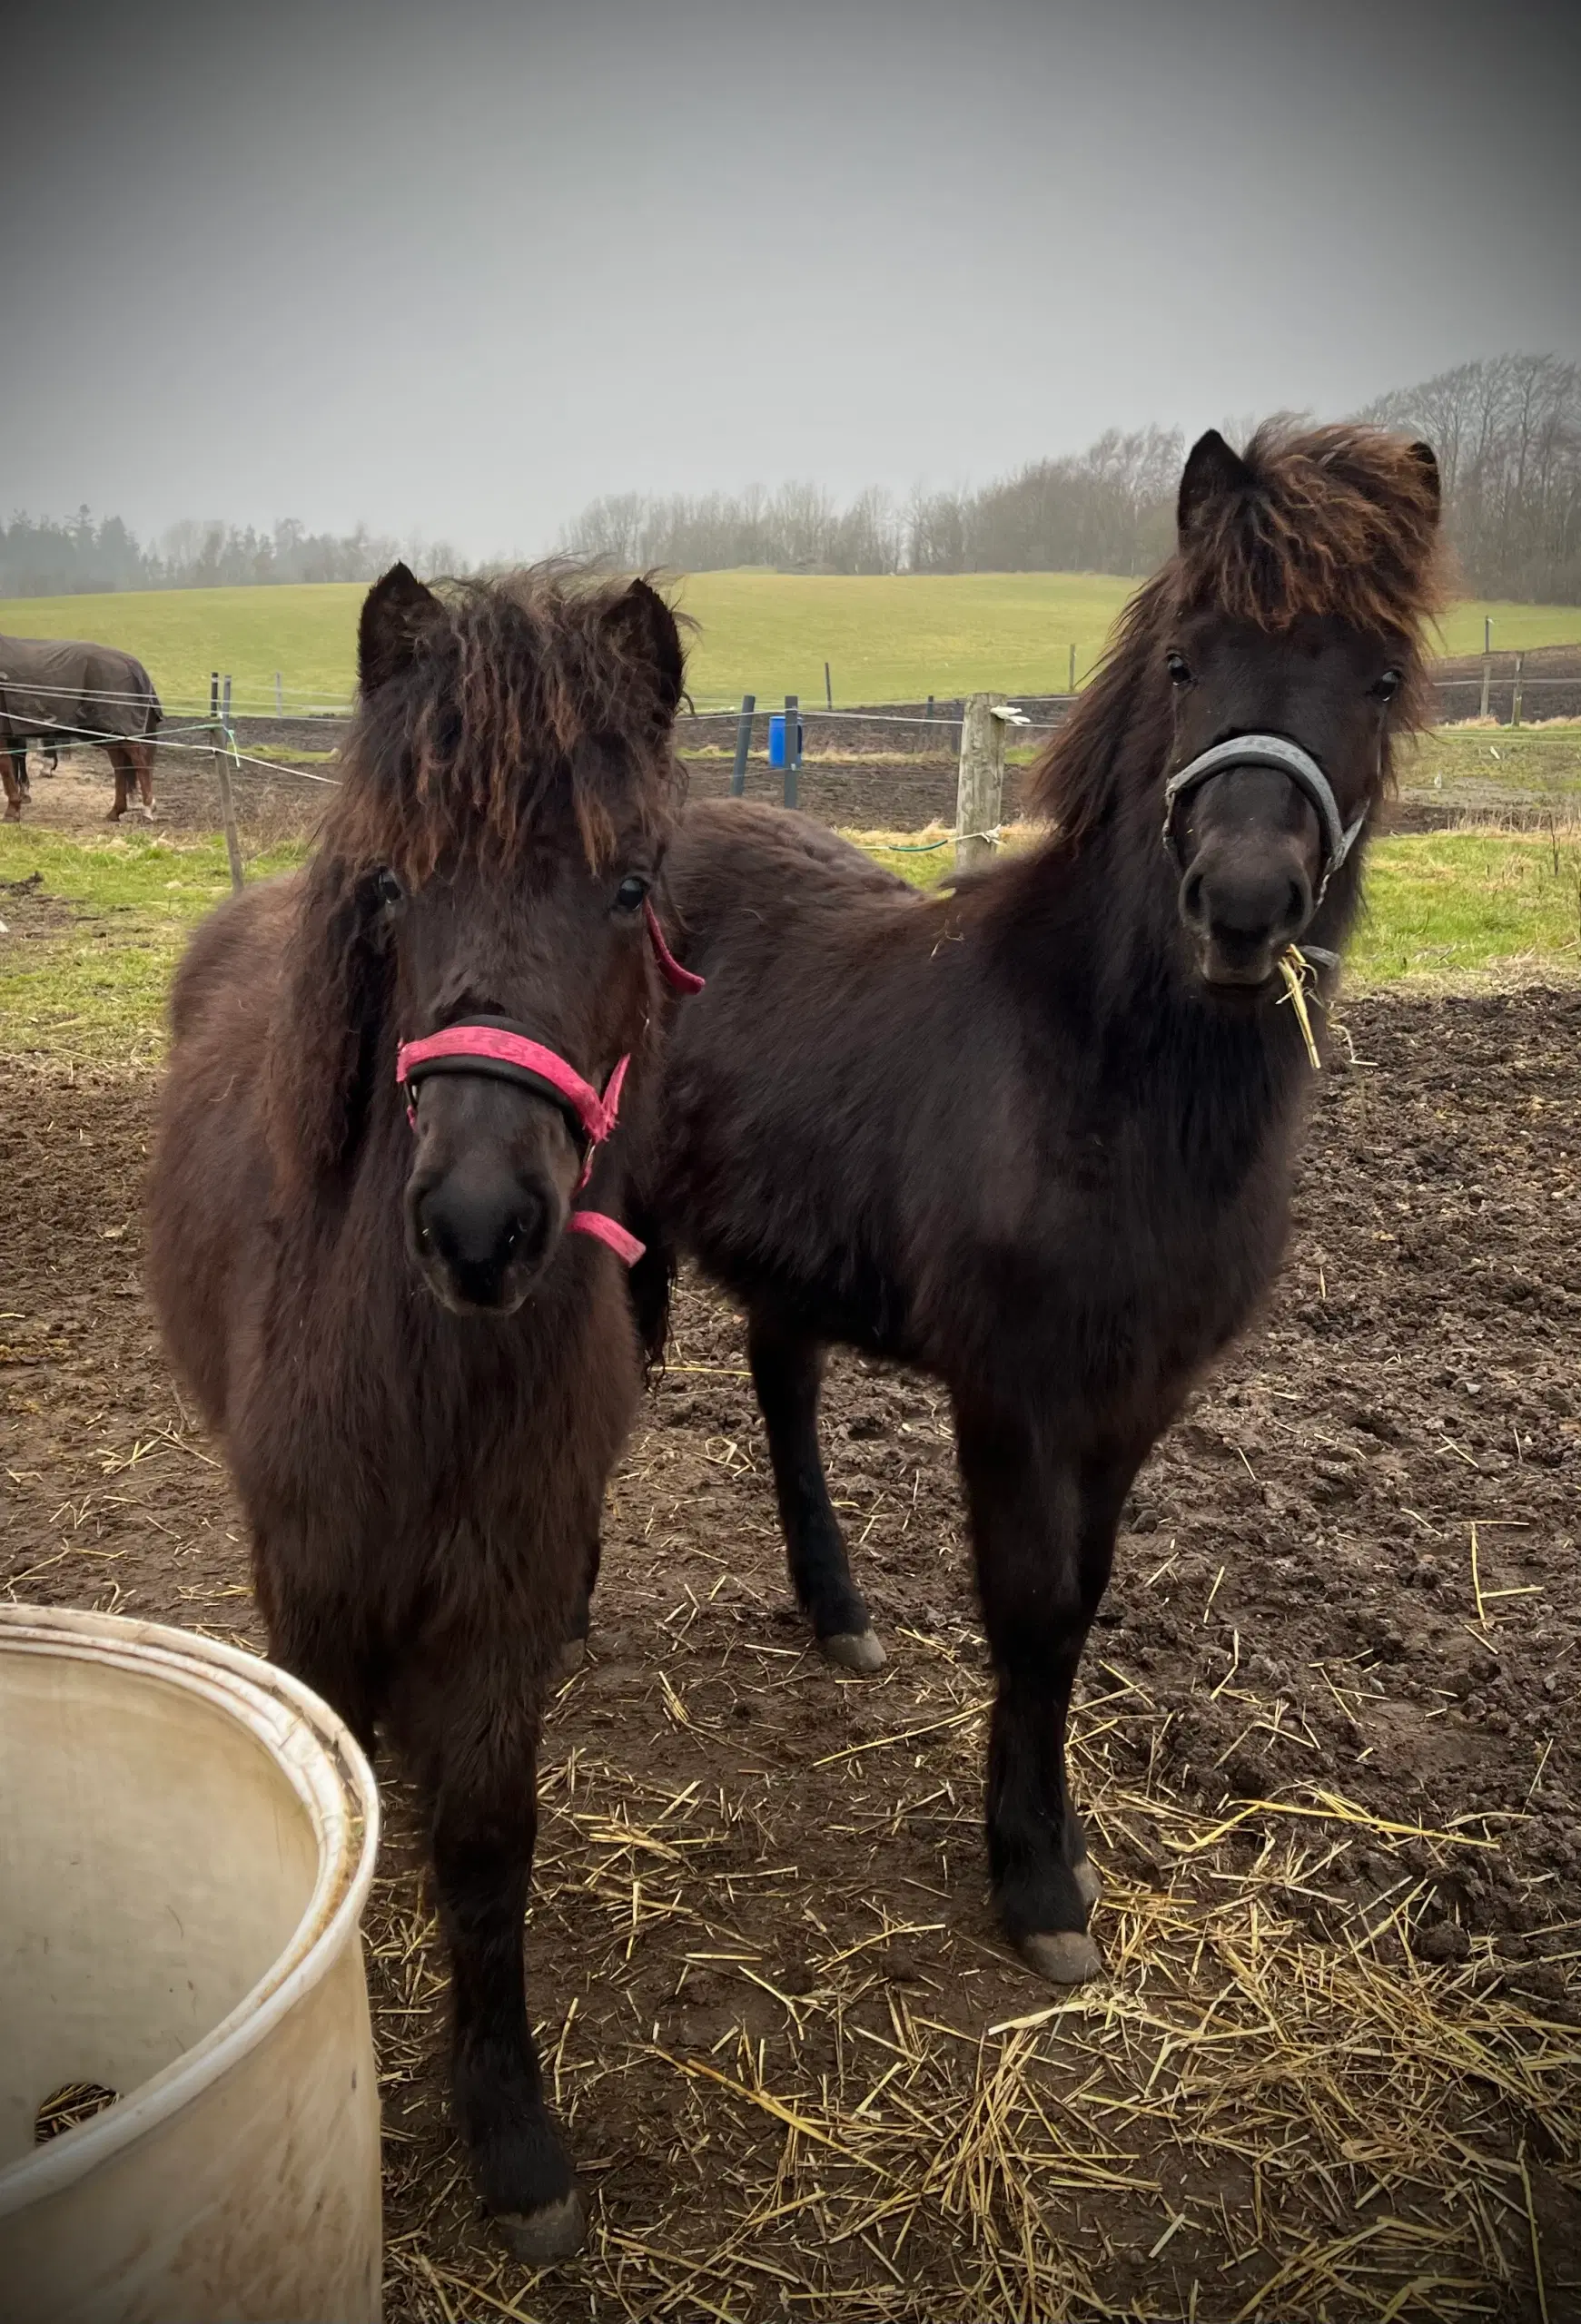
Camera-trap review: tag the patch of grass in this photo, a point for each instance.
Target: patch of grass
(1451, 907)
(1442, 909)
(1536, 766)
(96, 990)
(886, 637)
(1446, 908)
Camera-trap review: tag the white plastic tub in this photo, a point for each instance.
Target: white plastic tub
(187, 1838)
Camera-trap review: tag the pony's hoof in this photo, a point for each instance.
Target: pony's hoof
(1064, 1956)
(860, 1651)
(540, 2236)
(1088, 1879)
(573, 1654)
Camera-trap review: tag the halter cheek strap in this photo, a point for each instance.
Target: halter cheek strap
(1336, 837)
(499, 1049)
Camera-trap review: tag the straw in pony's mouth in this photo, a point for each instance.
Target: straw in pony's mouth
(1295, 968)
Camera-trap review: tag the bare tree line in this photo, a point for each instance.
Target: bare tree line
(1507, 432)
(1103, 511)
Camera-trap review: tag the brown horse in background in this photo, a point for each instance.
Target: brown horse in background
(1034, 1137)
(55, 691)
(421, 1379)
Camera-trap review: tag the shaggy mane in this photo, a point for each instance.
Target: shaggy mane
(1331, 521)
(532, 702)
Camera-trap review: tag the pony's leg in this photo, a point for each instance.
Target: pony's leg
(787, 1371)
(8, 777)
(574, 1650)
(318, 1640)
(474, 1744)
(142, 757)
(1042, 1529)
(121, 763)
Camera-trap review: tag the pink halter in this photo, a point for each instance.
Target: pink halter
(492, 1044)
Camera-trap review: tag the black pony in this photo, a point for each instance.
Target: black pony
(1034, 1137)
(390, 1076)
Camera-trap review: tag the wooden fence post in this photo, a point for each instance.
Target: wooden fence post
(220, 738)
(1486, 684)
(828, 687)
(980, 794)
(1515, 700)
(1073, 685)
(792, 757)
(278, 698)
(743, 744)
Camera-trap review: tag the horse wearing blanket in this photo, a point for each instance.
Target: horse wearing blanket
(55, 690)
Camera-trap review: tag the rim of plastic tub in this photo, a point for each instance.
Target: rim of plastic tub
(327, 1769)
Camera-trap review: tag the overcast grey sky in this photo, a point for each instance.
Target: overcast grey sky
(456, 268)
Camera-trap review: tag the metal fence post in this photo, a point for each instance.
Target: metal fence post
(793, 756)
(220, 737)
(1515, 699)
(743, 744)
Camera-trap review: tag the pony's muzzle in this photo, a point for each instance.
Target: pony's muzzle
(485, 1214)
(1242, 910)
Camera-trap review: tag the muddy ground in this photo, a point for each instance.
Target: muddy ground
(275, 803)
(867, 793)
(1337, 2064)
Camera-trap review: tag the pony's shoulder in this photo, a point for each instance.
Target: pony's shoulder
(236, 953)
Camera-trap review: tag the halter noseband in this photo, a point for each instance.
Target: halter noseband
(1336, 837)
(500, 1050)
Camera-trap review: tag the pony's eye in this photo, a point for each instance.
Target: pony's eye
(388, 887)
(1387, 687)
(1179, 669)
(632, 892)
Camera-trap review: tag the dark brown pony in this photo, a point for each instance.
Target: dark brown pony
(421, 1378)
(1034, 1137)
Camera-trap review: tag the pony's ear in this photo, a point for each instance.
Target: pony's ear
(648, 627)
(1427, 459)
(1213, 470)
(395, 612)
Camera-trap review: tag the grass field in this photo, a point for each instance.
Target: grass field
(1448, 909)
(1443, 908)
(886, 638)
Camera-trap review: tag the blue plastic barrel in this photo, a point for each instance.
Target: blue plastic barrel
(777, 740)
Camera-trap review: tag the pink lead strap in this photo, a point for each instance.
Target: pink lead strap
(679, 979)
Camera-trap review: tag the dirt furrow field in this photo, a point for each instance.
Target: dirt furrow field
(1327, 1747)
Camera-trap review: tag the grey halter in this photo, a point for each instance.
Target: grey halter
(1276, 750)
